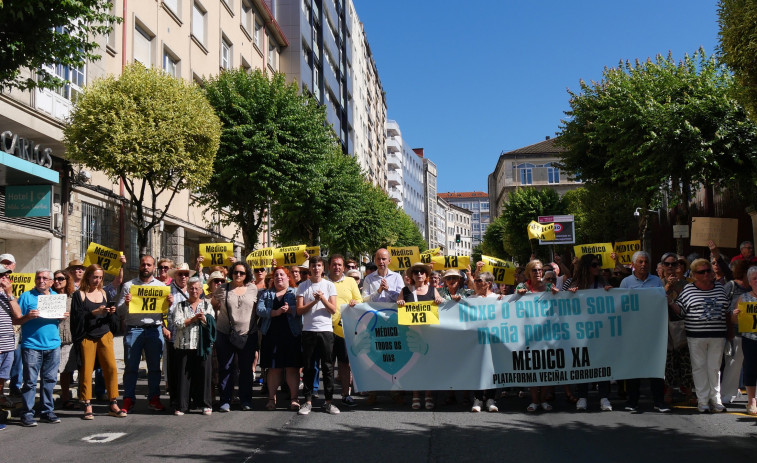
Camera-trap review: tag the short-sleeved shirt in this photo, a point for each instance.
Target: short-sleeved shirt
(7, 337)
(318, 318)
(705, 311)
(634, 282)
(138, 319)
(37, 333)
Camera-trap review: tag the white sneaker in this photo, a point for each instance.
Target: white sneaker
(703, 408)
(491, 406)
(581, 405)
(476, 406)
(331, 409)
(717, 406)
(605, 405)
(305, 409)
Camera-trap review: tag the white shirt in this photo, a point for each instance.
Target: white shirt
(318, 318)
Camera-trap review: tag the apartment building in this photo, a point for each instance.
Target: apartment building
(406, 176)
(478, 203)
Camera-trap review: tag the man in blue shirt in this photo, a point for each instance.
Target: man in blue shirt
(40, 349)
(641, 278)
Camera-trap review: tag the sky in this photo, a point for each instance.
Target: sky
(467, 80)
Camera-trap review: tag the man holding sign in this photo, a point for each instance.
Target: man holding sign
(144, 332)
(40, 349)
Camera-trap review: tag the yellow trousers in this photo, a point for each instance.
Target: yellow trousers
(102, 349)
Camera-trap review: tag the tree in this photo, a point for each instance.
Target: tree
(408, 233)
(273, 142)
(34, 33)
(660, 128)
(738, 47)
(155, 133)
(493, 243)
(523, 206)
(601, 215)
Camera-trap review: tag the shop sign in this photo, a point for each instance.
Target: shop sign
(28, 201)
(26, 149)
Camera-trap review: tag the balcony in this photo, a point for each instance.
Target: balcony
(393, 160)
(393, 145)
(394, 177)
(395, 194)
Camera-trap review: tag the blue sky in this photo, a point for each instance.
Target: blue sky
(468, 79)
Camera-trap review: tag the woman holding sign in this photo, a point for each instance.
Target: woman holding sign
(534, 274)
(418, 291)
(749, 343)
(92, 318)
(237, 336)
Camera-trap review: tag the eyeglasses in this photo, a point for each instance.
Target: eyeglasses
(182, 275)
(217, 281)
(703, 272)
(258, 270)
(351, 266)
(60, 278)
(537, 270)
(670, 264)
(164, 267)
(238, 272)
(478, 280)
(42, 278)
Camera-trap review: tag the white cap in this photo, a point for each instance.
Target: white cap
(8, 257)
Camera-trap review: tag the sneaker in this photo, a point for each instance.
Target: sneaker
(546, 406)
(605, 405)
(207, 411)
(349, 401)
(630, 407)
(662, 408)
(128, 404)
(224, 408)
(49, 417)
(581, 405)
(178, 413)
(703, 408)
(28, 421)
(491, 406)
(717, 407)
(155, 404)
(330, 409)
(305, 409)
(2, 426)
(476, 406)
(246, 407)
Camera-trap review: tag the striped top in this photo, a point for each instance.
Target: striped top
(704, 311)
(7, 338)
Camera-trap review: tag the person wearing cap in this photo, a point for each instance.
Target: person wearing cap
(8, 261)
(9, 311)
(452, 289)
(418, 291)
(16, 375)
(76, 270)
(179, 277)
(383, 285)
(144, 333)
(40, 348)
(215, 280)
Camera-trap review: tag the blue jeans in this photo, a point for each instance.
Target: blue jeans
(226, 353)
(135, 341)
(17, 370)
(36, 363)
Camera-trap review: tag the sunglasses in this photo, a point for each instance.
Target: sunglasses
(351, 267)
(537, 270)
(164, 267)
(239, 272)
(419, 272)
(478, 280)
(258, 270)
(670, 264)
(59, 278)
(703, 272)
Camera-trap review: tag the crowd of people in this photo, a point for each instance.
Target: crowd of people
(219, 325)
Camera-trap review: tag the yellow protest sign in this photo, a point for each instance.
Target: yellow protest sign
(603, 251)
(503, 271)
(107, 258)
(336, 321)
(285, 256)
(747, 317)
(403, 258)
(21, 282)
(625, 251)
(149, 299)
(313, 250)
(428, 253)
(418, 313)
(541, 231)
(216, 253)
(448, 262)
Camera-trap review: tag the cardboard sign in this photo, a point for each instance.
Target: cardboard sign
(285, 256)
(603, 251)
(747, 317)
(107, 258)
(503, 271)
(721, 231)
(403, 258)
(52, 306)
(541, 231)
(446, 262)
(216, 253)
(418, 313)
(625, 250)
(21, 282)
(149, 299)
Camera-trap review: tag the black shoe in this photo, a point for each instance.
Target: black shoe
(662, 407)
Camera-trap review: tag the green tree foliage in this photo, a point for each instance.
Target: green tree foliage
(738, 47)
(493, 243)
(155, 133)
(407, 231)
(660, 127)
(601, 215)
(523, 206)
(38, 32)
(273, 144)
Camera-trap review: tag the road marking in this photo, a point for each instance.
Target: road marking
(103, 438)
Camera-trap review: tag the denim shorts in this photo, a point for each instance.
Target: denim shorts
(6, 361)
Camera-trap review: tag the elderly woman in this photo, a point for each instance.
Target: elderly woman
(534, 283)
(749, 344)
(586, 276)
(237, 337)
(92, 318)
(705, 308)
(453, 290)
(281, 349)
(69, 355)
(734, 356)
(195, 331)
(419, 290)
(484, 283)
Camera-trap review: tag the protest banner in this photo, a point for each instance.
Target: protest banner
(21, 282)
(149, 299)
(747, 317)
(216, 253)
(403, 258)
(541, 231)
(603, 251)
(723, 232)
(418, 313)
(52, 305)
(105, 257)
(529, 340)
(441, 263)
(284, 256)
(625, 251)
(503, 271)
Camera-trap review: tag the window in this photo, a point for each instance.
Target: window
(142, 46)
(247, 16)
(225, 54)
(484, 206)
(553, 173)
(132, 251)
(526, 174)
(95, 223)
(172, 5)
(199, 18)
(476, 217)
(273, 54)
(170, 63)
(257, 37)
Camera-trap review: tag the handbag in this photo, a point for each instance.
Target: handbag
(235, 338)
